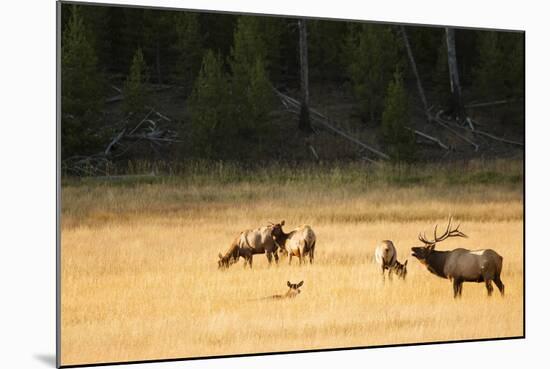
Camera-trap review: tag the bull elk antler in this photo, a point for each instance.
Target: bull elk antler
(448, 233)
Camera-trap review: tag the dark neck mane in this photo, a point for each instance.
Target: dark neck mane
(436, 263)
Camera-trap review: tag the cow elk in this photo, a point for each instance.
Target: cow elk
(248, 244)
(460, 265)
(299, 242)
(386, 257)
(293, 291)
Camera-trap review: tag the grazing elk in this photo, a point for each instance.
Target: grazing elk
(386, 256)
(300, 242)
(249, 243)
(460, 265)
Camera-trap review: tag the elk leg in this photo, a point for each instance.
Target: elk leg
(500, 285)
(311, 251)
(390, 273)
(276, 256)
(289, 258)
(457, 288)
(250, 261)
(269, 258)
(489, 287)
(383, 275)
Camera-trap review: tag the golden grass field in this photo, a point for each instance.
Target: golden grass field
(140, 278)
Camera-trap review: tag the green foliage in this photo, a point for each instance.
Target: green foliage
(325, 44)
(259, 96)
(373, 54)
(248, 46)
(230, 113)
(499, 74)
(81, 89)
(395, 117)
(500, 69)
(189, 46)
(251, 95)
(135, 96)
(211, 128)
(158, 35)
(490, 70)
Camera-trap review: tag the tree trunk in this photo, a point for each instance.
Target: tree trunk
(304, 123)
(415, 71)
(456, 91)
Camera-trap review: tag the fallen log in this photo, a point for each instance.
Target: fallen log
(428, 137)
(294, 106)
(446, 125)
(490, 103)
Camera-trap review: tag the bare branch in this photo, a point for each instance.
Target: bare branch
(428, 137)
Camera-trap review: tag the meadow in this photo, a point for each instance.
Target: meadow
(139, 275)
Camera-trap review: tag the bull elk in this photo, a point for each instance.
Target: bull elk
(460, 265)
(386, 257)
(299, 242)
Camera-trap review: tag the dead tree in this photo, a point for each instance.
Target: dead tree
(456, 91)
(304, 123)
(416, 74)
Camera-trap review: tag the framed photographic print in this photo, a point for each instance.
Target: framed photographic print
(241, 184)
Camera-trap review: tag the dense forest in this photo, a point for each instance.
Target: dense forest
(148, 85)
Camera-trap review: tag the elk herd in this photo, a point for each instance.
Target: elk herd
(459, 265)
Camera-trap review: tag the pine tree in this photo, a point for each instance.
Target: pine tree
(500, 70)
(135, 96)
(259, 96)
(373, 54)
(399, 140)
(499, 74)
(248, 46)
(251, 96)
(325, 44)
(81, 89)
(189, 45)
(212, 129)
(490, 72)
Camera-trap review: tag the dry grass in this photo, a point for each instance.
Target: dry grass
(140, 278)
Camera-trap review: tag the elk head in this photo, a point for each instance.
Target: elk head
(279, 236)
(295, 287)
(400, 269)
(225, 261)
(423, 252)
(277, 229)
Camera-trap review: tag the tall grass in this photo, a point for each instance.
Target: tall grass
(139, 261)
(331, 173)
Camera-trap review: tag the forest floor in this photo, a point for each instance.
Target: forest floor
(337, 102)
(139, 275)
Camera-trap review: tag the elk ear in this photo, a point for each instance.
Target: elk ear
(300, 284)
(288, 283)
(431, 247)
(282, 222)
